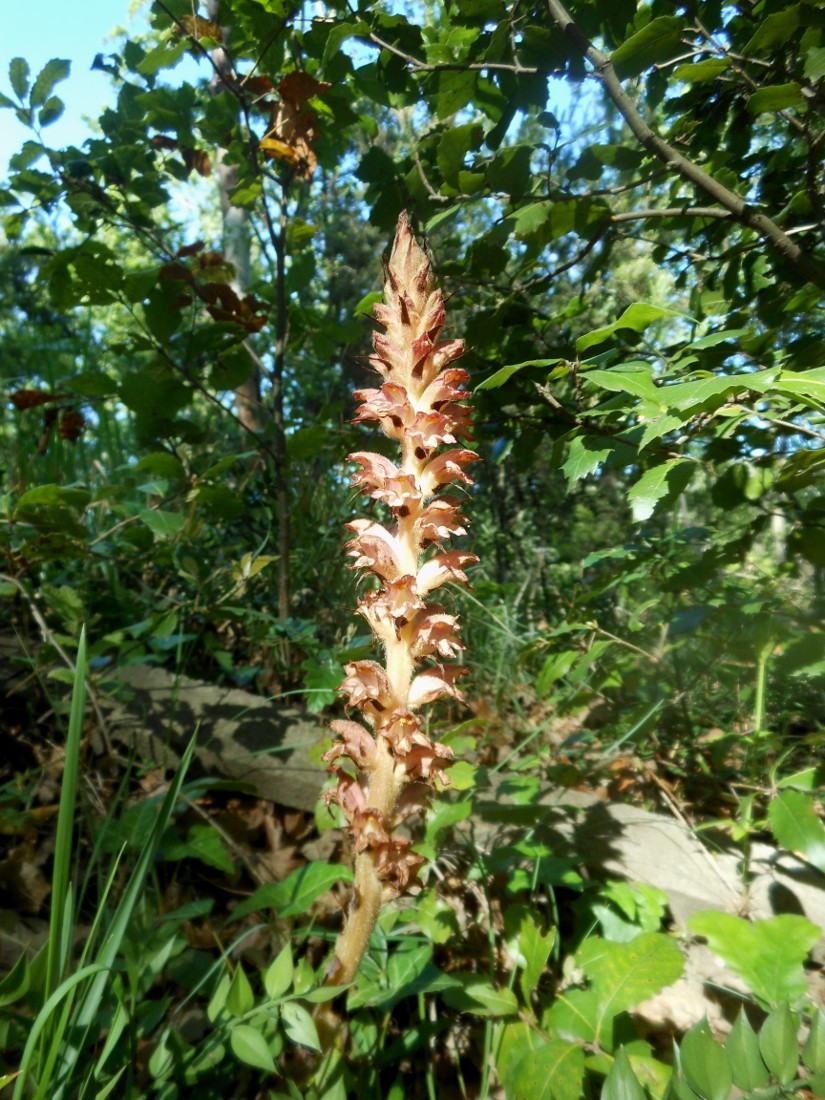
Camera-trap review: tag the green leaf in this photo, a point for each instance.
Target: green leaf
(797, 827)
(250, 1047)
(161, 464)
(299, 1025)
(453, 147)
(585, 455)
(636, 318)
(622, 1083)
(295, 895)
(742, 1048)
(776, 29)
(278, 975)
(814, 1053)
(19, 77)
(202, 843)
(659, 484)
(553, 1072)
(239, 998)
(638, 383)
(777, 97)
(51, 111)
(808, 386)
(534, 947)
(778, 1044)
(815, 63)
(624, 974)
(217, 1002)
(163, 525)
(504, 374)
(554, 668)
(705, 1063)
(93, 383)
(707, 69)
(51, 74)
(657, 41)
(768, 954)
(163, 56)
(407, 963)
(528, 220)
(455, 90)
(574, 1014)
(16, 983)
(478, 996)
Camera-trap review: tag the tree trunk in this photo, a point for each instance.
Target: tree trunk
(236, 244)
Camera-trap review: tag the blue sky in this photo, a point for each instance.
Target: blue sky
(39, 30)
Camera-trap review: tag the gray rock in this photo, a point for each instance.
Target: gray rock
(240, 736)
(612, 840)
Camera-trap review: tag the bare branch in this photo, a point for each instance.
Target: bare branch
(768, 230)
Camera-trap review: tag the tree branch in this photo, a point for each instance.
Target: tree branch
(768, 230)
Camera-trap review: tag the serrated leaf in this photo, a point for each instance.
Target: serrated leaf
(705, 1063)
(778, 1045)
(504, 374)
(299, 1025)
(622, 1083)
(278, 975)
(635, 318)
(768, 955)
(51, 74)
(807, 386)
(776, 97)
(250, 1047)
(742, 1048)
(529, 219)
(453, 147)
(797, 827)
(659, 483)
(553, 1072)
(455, 90)
(624, 974)
(657, 41)
(585, 455)
(777, 28)
(636, 383)
(19, 77)
(51, 111)
(533, 949)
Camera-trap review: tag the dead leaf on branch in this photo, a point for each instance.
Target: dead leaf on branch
(198, 28)
(72, 423)
(224, 304)
(292, 128)
(197, 160)
(30, 399)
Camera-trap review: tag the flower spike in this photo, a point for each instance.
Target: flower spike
(392, 762)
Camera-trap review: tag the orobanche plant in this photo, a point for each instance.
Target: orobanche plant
(395, 762)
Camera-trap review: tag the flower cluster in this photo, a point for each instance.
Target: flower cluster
(392, 761)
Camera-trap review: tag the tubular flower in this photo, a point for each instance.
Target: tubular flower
(393, 763)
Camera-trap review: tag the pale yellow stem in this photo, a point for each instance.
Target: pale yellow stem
(368, 891)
